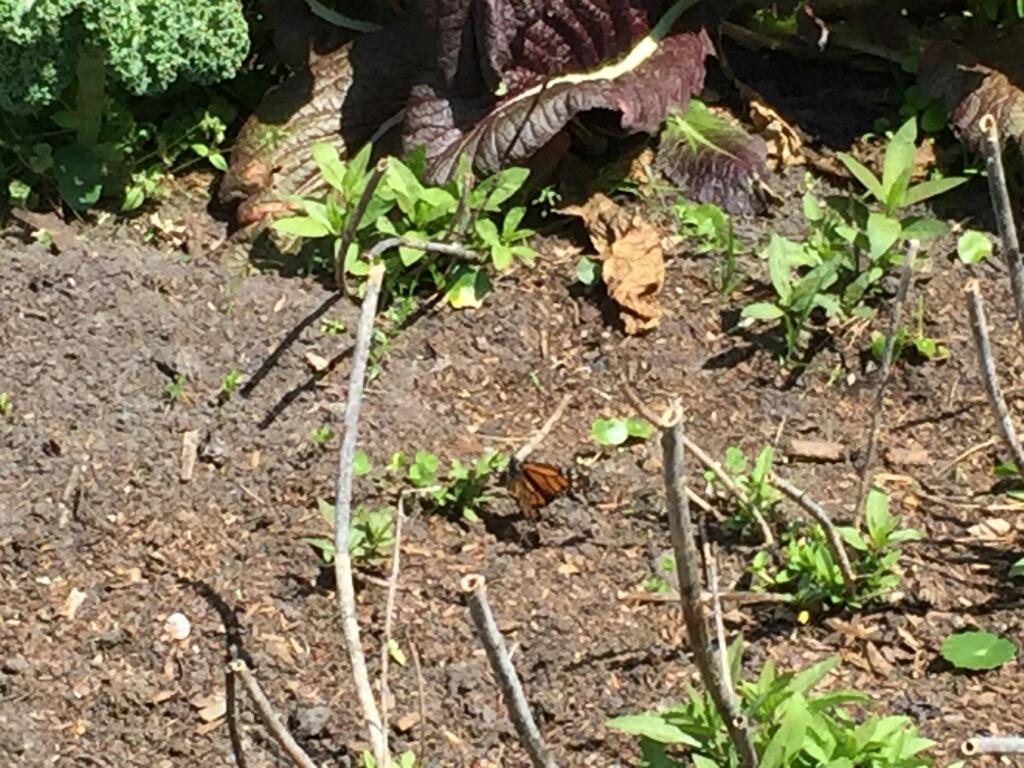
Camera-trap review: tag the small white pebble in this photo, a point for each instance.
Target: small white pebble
(177, 626)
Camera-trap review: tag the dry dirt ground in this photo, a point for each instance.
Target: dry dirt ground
(100, 539)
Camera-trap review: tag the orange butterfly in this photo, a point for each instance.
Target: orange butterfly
(534, 485)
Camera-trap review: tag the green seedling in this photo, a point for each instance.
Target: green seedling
(228, 384)
(371, 535)
(174, 390)
(710, 230)
(761, 497)
(793, 725)
(330, 327)
(461, 490)
(321, 435)
(925, 346)
(973, 247)
(977, 650)
(5, 404)
(618, 431)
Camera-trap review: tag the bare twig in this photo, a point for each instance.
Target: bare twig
(815, 510)
(736, 598)
(389, 609)
(685, 546)
(269, 717)
(545, 430)
(421, 698)
(878, 406)
(979, 327)
(994, 745)
(444, 249)
(1003, 209)
(343, 519)
(706, 461)
(474, 590)
(348, 236)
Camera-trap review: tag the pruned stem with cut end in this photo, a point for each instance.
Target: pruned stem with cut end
(706, 461)
(269, 717)
(348, 236)
(346, 597)
(987, 365)
(1003, 208)
(878, 406)
(993, 745)
(832, 537)
(475, 591)
(544, 431)
(684, 543)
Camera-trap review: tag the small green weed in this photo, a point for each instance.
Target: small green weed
(229, 384)
(851, 245)
(461, 490)
(973, 247)
(174, 390)
(710, 230)
(926, 347)
(793, 725)
(658, 583)
(812, 578)
(403, 206)
(618, 431)
(329, 327)
(762, 498)
(5, 404)
(371, 536)
(321, 435)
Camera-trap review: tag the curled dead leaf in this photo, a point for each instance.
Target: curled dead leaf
(633, 259)
(784, 146)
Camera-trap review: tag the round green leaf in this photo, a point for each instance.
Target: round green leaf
(468, 289)
(588, 271)
(609, 432)
(641, 429)
(973, 247)
(977, 650)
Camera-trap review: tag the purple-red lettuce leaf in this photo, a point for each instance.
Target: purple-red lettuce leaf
(713, 160)
(516, 75)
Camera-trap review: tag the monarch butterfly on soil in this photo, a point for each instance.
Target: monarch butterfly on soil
(534, 485)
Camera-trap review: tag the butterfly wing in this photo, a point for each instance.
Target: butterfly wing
(534, 485)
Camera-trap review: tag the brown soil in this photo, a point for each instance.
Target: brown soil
(92, 509)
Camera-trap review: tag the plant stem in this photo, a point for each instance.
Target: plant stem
(389, 609)
(815, 510)
(474, 588)
(994, 745)
(986, 362)
(269, 717)
(1003, 208)
(348, 236)
(684, 543)
(887, 354)
(343, 519)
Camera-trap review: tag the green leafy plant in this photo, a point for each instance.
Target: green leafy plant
(925, 346)
(371, 535)
(851, 245)
(658, 583)
(617, 431)
(973, 247)
(404, 206)
(761, 497)
(710, 230)
(404, 760)
(977, 650)
(330, 327)
(461, 490)
(321, 435)
(811, 577)
(794, 726)
(175, 389)
(228, 384)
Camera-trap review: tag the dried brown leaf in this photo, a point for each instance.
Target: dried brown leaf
(633, 259)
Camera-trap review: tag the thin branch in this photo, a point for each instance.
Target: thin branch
(475, 591)
(444, 249)
(994, 745)
(979, 327)
(1003, 208)
(706, 461)
(683, 542)
(389, 609)
(421, 699)
(269, 717)
(878, 406)
(343, 520)
(348, 236)
(815, 510)
(544, 431)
